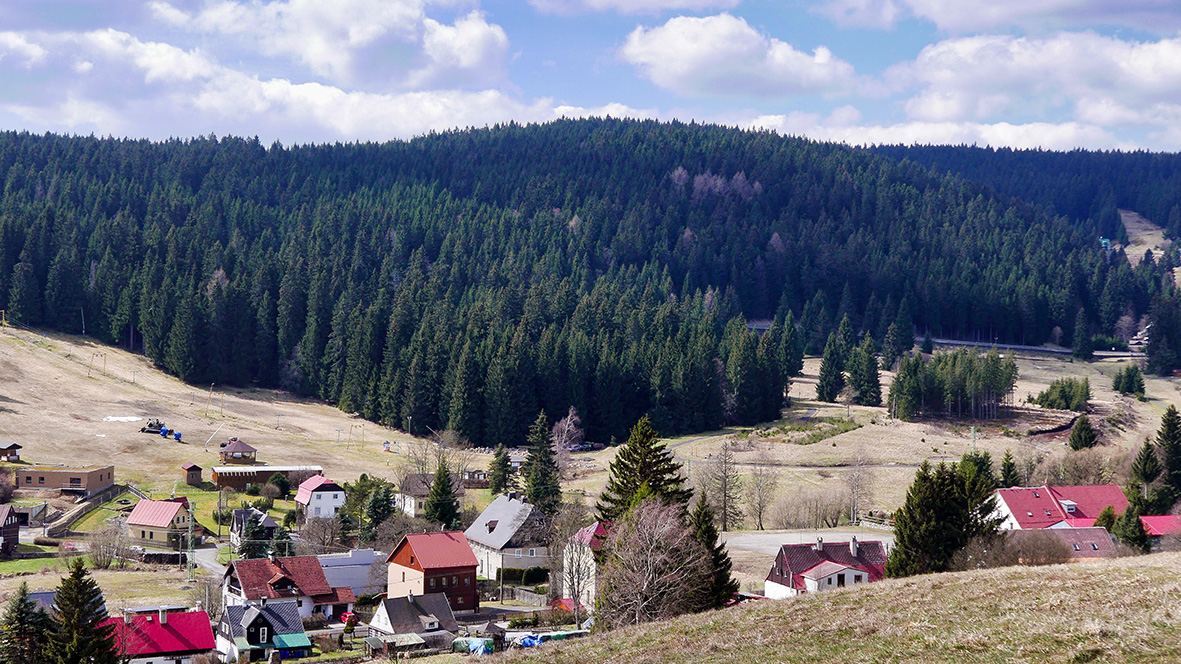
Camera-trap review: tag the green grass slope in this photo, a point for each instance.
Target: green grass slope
(1126, 610)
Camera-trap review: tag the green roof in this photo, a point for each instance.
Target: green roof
(288, 641)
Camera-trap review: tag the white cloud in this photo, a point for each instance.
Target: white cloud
(1157, 16)
(723, 55)
(976, 78)
(16, 44)
(158, 61)
(471, 50)
(74, 114)
(613, 110)
(629, 6)
(321, 35)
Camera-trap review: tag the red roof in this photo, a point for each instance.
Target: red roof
(1155, 526)
(793, 560)
(438, 550)
(180, 633)
(593, 535)
(190, 466)
(237, 446)
(303, 495)
(154, 513)
(260, 577)
(1044, 506)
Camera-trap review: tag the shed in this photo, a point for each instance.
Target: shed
(192, 474)
(236, 451)
(10, 452)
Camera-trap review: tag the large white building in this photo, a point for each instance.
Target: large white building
(508, 533)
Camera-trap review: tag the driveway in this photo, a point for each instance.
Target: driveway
(206, 559)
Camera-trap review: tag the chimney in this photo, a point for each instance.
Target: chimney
(271, 555)
(198, 608)
(126, 618)
(853, 546)
(819, 543)
(162, 614)
(263, 602)
(512, 495)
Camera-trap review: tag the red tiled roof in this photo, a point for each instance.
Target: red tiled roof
(438, 550)
(305, 572)
(303, 495)
(342, 595)
(154, 513)
(181, 632)
(796, 559)
(1041, 507)
(593, 535)
(1155, 526)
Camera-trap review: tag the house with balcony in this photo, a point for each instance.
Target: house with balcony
(299, 578)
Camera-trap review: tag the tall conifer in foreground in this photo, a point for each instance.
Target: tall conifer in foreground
(722, 585)
(542, 480)
(78, 637)
(24, 629)
(643, 459)
(441, 505)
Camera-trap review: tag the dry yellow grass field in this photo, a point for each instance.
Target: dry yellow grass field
(1123, 610)
(141, 585)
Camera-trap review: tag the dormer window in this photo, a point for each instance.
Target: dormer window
(1076, 547)
(1094, 547)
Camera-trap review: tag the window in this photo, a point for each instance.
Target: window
(856, 578)
(151, 535)
(455, 580)
(28, 479)
(336, 496)
(1094, 547)
(443, 581)
(432, 583)
(41, 480)
(840, 579)
(532, 553)
(143, 534)
(830, 580)
(459, 600)
(467, 580)
(317, 511)
(1076, 547)
(518, 553)
(403, 576)
(319, 496)
(262, 635)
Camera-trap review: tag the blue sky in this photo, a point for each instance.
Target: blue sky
(1056, 74)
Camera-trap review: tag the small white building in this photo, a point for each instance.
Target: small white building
(808, 568)
(363, 570)
(319, 496)
(508, 533)
(416, 488)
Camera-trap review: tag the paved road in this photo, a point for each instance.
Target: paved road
(1034, 349)
(769, 541)
(206, 559)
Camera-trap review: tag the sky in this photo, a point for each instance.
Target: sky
(1055, 74)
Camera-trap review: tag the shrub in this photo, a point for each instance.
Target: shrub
(224, 517)
(1066, 394)
(252, 489)
(46, 541)
(314, 621)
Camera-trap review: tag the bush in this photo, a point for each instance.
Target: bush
(314, 621)
(46, 541)
(523, 621)
(252, 489)
(1066, 394)
(554, 618)
(524, 577)
(224, 517)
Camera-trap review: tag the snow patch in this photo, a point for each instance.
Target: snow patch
(121, 418)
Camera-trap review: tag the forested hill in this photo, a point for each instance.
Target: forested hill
(1079, 184)
(466, 280)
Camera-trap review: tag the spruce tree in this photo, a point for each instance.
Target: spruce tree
(928, 344)
(1082, 434)
(282, 544)
(1106, 518)
(1009, 475)
(379, 506)
(1168, 443)
(1146, 467)
(831, 380)
(868, 382)
(78, 635)
(1129, 530)
(499, 471)
(1082, 338)
(643, 459)
(890, 347)
(441, 505)
(253, 543)
(722, 585)
(543, 486)
(24, 629)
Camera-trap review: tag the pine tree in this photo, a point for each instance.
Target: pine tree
(24, 629)
(1082, 434)
(499, 471)
(643, 459)
(1082, 338)
(1009, 475)
(253, 543)
(1168, 443)
(543, 486)
(722, 585)
(379, 506)
(1106, 518)
(1129, 530)
(77, 635)
(867, 381)
(928, 344)
(441, 505)
(891, 347)
(1146, 467)
(831, 380)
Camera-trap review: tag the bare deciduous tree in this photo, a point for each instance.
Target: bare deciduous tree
(652, 567)
(207, 591)
(725, 487)
(858, 480)
(811, 507)
(1007, 548)
(109, 546)
(566, 433)
(761, 490)
(320, 535)
(7, 487)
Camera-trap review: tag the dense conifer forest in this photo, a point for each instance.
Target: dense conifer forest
(467, 280)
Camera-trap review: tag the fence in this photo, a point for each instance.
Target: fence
(61, 527)
(876, 523)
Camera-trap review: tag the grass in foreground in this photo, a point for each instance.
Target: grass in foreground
(1115, 611)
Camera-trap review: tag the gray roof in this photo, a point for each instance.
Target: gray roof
(410, 615)
(240, 516)
(508, 522)
(419, 484)
(282, 614)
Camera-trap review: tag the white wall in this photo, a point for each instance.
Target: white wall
(777, 590)
(404, 581)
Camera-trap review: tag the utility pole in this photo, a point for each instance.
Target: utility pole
(189, 556)
(210, 399)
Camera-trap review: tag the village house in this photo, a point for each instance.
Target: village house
(808, 568)
(1081, 543)
(9, 531)
(161, 523)
(319, 496)
(425, 563)
(416, 488)
(84, 481)
(1160, 527)
(240, 519)
(508, 533)
(1031, 508)
(259, 629)
(10, 452)
(429, 617)
(579, 569)
(159, 635)
(299, 577)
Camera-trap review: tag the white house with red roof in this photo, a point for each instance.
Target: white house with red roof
(1031, 508)
(579, 568)
(319, 496)
(810, 568)
(160, 635)
(425, 563)
(298, 577)
(1161, 526)
(162, 523)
